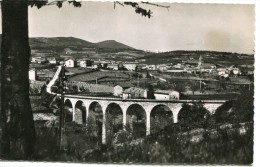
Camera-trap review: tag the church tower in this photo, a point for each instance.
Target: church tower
(200, 63)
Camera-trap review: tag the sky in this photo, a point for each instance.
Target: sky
(218, 27)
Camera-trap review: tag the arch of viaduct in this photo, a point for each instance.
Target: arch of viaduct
(147, 104)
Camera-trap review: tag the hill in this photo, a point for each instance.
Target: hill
(112, 44)
(58, 44)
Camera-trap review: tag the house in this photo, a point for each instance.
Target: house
(52, 60)
(95, 65)
(112, 66)
(82, 63)
(119, 88)
(70, 63)
(179, 65)
(162, 67)
(235, 70)
(35, 59)
(135, 93)
(166, 95)
(152, 67)
(222, 71)
(141, 67)
(32, 74)
(38, 60)
(68, 51)
(104, 63)
(130, 66)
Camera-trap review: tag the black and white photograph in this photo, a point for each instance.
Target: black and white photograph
(128, 82)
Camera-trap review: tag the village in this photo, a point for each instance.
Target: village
(137, 79)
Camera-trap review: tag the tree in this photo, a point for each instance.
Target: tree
(194, 86)
(18, 132)
(17, 122)
(150, 92)
(244, 105)
(193, 115)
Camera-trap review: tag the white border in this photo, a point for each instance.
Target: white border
(256, 102)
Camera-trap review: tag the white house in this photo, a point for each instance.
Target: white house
(82, 63)
(152, 67)
(179, 65)
(36, 59)
(166, 95)
(32, 74)
(236, 71)
(70, 63)
(52, 61)
(162, 67)
(130, 66)
(112, 66)
(126, 95)
(222, 71)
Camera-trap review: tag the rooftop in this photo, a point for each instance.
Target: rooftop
(124, 84)
(164, 91)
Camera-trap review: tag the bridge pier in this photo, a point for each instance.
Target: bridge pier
(175, 118)
(175, 108)
(124, 109)
(73, 113)
(104, 128)
(148, 123)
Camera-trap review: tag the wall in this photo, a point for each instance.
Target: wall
(161, 96)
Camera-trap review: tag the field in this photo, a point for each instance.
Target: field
(101, 75)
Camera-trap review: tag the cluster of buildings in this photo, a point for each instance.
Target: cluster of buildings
(193, 66)
(126, 91)
(189, 66)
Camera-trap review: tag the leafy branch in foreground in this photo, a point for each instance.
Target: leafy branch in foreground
(59, 3)
(140, 10)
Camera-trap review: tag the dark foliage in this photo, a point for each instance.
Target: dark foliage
(224, 113)
(150, 92)
(41, 3)
(193, 115)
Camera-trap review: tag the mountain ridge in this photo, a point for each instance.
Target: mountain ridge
(60, 43)
(113, 44)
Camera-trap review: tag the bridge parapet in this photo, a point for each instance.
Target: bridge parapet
(142, 100)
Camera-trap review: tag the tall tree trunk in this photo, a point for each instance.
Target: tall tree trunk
(18, 132)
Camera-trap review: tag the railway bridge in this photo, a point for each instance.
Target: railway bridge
(102, 106)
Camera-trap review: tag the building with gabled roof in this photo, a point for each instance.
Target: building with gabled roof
(135, 93)
(70, 63)
(120, 87)
(166, 95)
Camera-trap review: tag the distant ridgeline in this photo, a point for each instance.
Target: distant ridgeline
(74, 47)
(228, 58)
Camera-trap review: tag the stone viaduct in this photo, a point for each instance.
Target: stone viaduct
(147, 104)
